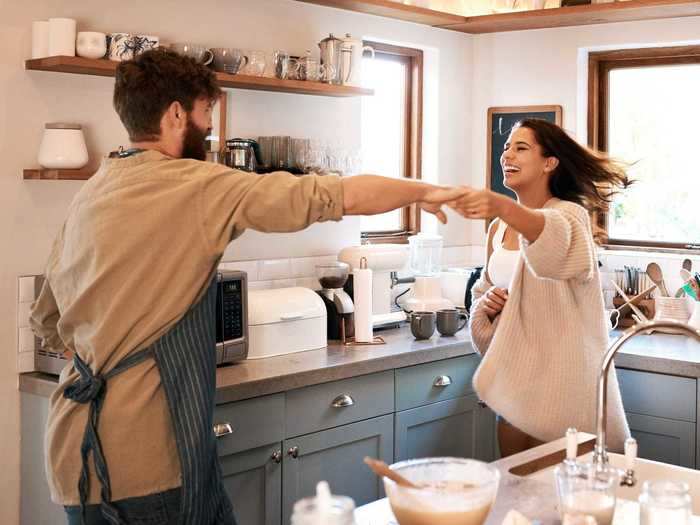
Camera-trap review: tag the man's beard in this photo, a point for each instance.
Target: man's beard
(193, 147)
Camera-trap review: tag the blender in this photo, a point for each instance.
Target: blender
(425, 254)
(339, 305)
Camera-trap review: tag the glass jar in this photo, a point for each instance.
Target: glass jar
(308, 512)
(425, 254)
(63, 147)
(665, 502)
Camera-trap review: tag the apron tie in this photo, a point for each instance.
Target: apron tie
(91, 388)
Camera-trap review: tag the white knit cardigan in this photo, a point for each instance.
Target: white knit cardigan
(542, 354)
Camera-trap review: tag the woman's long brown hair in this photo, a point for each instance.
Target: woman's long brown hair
(584, 176)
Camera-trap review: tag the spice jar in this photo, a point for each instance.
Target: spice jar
(63, 146)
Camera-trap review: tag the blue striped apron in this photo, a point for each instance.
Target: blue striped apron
(186, 359)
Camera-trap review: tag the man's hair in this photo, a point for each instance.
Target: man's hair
(147, 85)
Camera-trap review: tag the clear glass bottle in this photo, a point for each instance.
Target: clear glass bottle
(665, 502)
(341, 511)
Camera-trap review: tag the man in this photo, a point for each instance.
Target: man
(128, 293)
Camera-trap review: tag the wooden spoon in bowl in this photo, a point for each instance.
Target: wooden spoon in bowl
(382, 469)
(657, 277)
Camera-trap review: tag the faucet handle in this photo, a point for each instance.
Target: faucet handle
(630, 457)
(571, 444)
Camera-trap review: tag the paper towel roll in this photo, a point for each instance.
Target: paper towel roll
(40, 39)
(61, 37)
(362, 294)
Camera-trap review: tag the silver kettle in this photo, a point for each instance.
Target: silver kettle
(331, 49)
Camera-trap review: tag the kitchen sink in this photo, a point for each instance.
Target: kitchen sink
(644, 470)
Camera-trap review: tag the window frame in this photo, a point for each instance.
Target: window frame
(599, 66)
(413, 115)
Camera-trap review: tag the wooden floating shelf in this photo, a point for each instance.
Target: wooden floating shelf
(107, 68)
(619, 11)
(46, 174)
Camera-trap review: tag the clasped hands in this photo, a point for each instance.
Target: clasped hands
(469, 202)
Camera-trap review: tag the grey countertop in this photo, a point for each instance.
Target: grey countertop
(661, 353)
(257, 377)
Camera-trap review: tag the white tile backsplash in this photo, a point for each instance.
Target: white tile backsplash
(25, 362)
(303, 266)
(309, 282)
(25, 340)
(249, 267)
(274, 269)
(23, 313)
(27, 288)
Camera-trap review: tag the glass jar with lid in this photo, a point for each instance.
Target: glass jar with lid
(63, 146)
(664, 502)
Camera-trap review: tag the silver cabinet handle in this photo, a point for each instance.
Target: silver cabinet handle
(442, 381)
(343, 400)
(222, 429)
(277, 456)
(293, 452)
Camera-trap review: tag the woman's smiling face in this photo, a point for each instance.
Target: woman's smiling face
(522, 161)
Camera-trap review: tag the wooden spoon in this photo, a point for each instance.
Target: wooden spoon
(382, 469)
(657, 277)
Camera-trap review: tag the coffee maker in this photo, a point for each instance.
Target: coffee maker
(339, 306)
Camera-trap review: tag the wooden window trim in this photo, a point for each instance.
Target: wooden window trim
(410, 215)
(599, 66)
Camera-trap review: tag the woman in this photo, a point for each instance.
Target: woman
(537, 315)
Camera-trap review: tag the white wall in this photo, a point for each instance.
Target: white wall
(541, 67)
(31, 212)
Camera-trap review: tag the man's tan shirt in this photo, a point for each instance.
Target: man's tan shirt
(141, 240)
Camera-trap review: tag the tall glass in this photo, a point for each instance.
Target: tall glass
(665, 502)
(585, 490)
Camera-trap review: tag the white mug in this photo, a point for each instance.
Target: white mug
(120, 47)
(91, 44)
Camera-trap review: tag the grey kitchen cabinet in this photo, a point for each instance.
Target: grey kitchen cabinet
(661, 411)
(336, 455)
(665, 440)
(447, 428)
(253, 481)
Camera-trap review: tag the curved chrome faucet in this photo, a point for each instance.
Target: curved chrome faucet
(600, 455)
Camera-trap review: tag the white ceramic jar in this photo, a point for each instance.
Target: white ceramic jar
(91, 44)
(63, 147)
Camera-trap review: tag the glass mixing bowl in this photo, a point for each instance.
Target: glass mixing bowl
(332, 275)
(453, 491)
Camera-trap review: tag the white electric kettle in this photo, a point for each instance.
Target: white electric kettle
(352, 61)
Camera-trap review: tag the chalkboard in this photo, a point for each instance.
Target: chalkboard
(500, 122)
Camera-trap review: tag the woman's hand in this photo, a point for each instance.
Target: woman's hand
(480, 204)
(494, 301)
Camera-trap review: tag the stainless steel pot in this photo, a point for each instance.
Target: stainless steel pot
(331, 49)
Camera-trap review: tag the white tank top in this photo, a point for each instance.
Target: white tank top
(502, 262)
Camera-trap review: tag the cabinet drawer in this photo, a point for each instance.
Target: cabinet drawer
(437, 381)
(253, 423)
(658, 395)
(329, 405)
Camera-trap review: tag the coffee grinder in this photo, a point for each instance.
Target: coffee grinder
(339, 306)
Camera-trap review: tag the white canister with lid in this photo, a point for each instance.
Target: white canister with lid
(63, 146)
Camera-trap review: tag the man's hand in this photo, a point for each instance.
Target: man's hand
(434, 198)
(480, 204)
(494, 301)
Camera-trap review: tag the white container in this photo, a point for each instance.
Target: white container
(91, 44)
(285, 320)
(352, 65)
(62, 37)
(40, 39)
(63, 147)
(425, 254)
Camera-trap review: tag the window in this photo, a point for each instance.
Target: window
(391, 132)
(644, 109)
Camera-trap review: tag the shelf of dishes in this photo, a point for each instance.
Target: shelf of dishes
(107, 68)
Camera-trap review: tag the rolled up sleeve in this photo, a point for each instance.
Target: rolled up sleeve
(233, 201)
